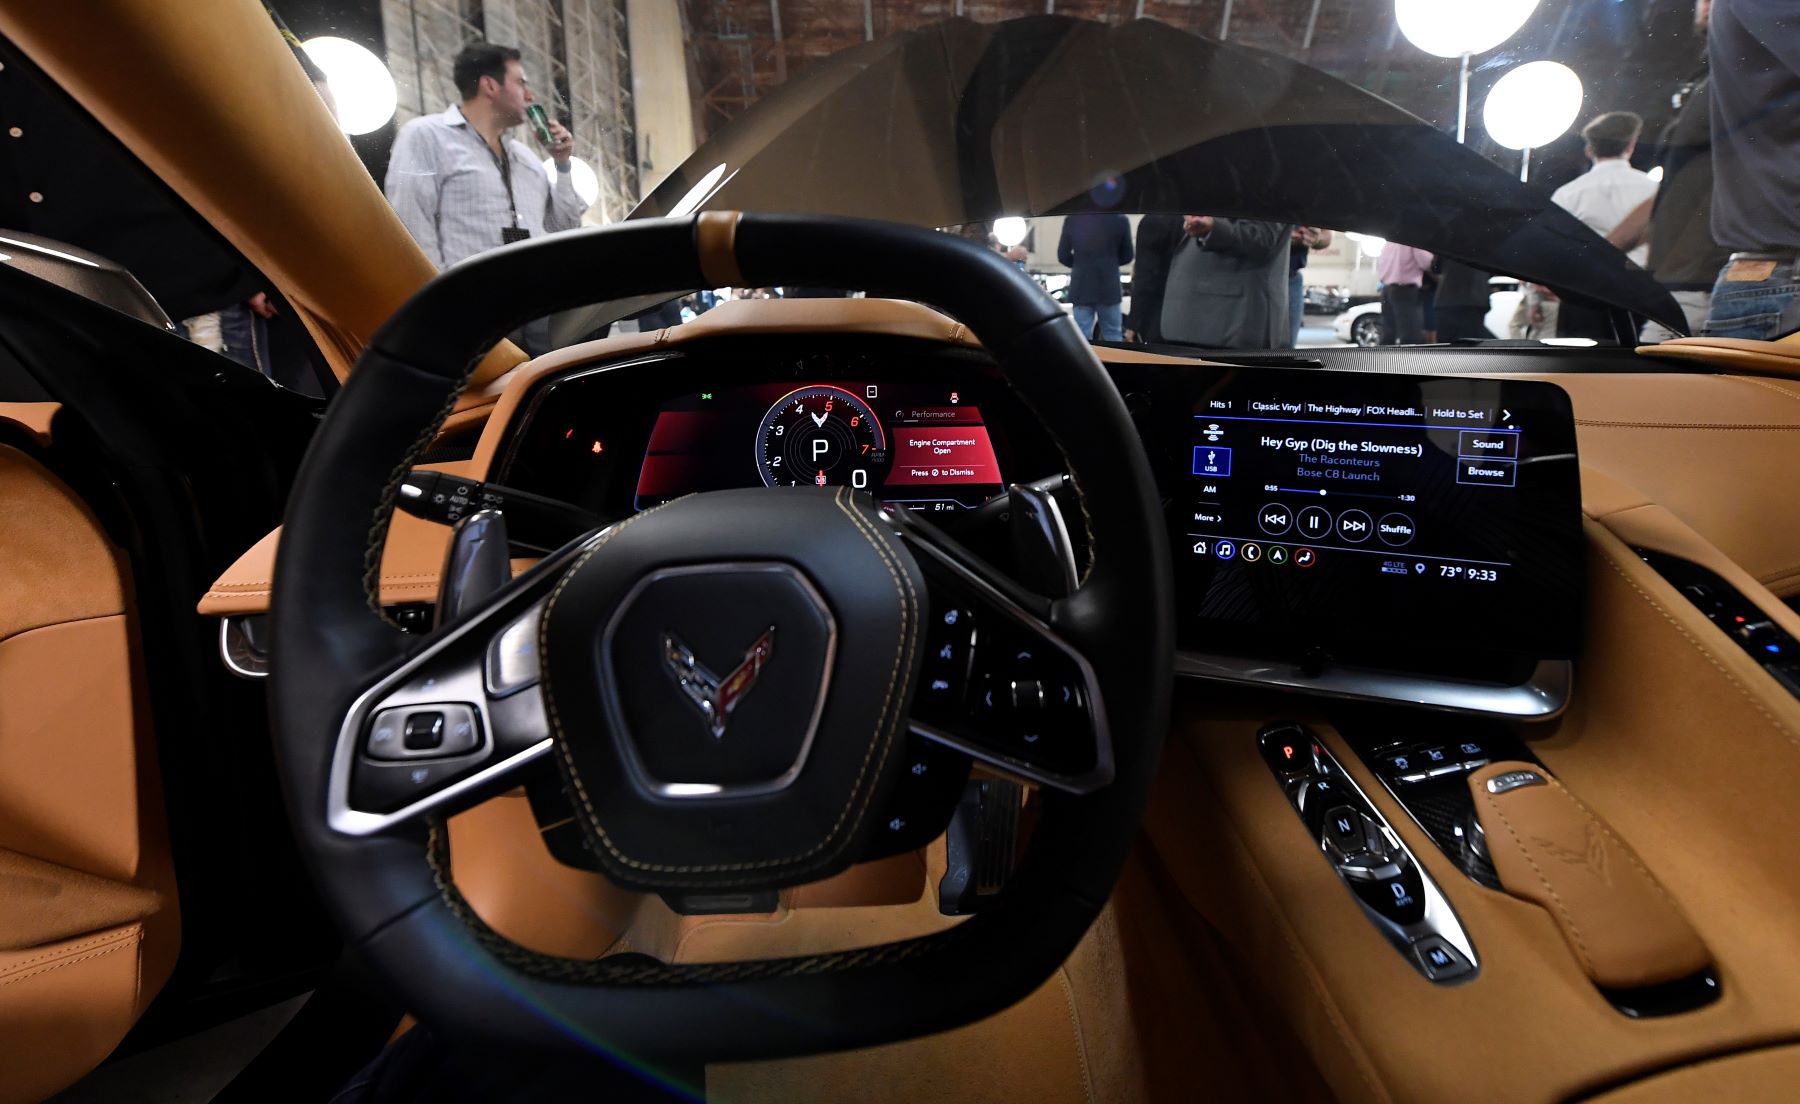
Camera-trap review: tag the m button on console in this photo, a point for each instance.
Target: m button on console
(1438, 959)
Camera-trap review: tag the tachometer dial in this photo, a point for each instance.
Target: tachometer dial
(821, 436)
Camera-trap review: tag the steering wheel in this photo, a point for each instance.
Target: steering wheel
(726, 684)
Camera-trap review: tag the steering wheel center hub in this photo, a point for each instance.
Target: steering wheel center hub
(727, 679)
(715, 677)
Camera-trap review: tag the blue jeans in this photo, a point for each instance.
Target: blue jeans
(246, 336)
(1296, 306)
(1756, 309)
(1112, 320)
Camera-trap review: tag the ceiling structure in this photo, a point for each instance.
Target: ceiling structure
(1631, 54)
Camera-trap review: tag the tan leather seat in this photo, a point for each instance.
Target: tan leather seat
(88, 923)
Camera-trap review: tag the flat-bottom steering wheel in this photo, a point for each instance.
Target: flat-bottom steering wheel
(724, 683)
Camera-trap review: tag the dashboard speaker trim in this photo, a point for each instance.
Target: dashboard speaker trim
(1542, 696)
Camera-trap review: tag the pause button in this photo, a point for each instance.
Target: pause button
(1275, 519)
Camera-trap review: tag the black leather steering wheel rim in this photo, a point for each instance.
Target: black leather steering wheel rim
(329, 644)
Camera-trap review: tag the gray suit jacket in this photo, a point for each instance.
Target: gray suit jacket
(1231, 291)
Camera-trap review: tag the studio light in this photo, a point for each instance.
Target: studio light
(582, 175)
(1458, 29)
(359, 82)
(1532, 106)
(1011, 231)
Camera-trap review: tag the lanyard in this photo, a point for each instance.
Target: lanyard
(503, 162)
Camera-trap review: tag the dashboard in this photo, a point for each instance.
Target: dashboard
(922, 446)
(1424, 526)
(912, 422)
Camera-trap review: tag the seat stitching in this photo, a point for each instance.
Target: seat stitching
(1068, 990)
(1562, 909)
(1705, 653)
(1624, 848)
(94, 942)
(67, 962)
(1752, 427)
(1767, 386)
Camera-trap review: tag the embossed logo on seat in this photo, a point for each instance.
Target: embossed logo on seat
(713, 696)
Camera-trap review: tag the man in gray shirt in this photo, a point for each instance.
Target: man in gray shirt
(1755, 65)
(462, 187)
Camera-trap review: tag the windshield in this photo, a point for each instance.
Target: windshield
(1276, 174)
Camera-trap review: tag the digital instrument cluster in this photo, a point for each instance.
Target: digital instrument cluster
(921, 446)
(1402, 520)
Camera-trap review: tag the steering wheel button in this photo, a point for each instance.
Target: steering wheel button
(425, 731)
(385, 735)
(512, 659)
(1028, 696)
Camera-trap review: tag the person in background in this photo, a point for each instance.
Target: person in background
(1401, 270)
(1096, 247)
(1428, 319)
(1306, 240)
(1602, 197)
(1754, 47)
(1463, 295)
(462, 186)
(1227, 284)
(1157, 238)
(1676, 224)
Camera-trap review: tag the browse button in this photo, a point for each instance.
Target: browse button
(1487, 473)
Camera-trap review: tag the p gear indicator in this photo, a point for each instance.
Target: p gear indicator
(821, 436)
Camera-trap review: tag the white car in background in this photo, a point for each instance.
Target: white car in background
(1362, 324)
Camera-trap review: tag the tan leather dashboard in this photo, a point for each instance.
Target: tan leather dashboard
(1710, 449)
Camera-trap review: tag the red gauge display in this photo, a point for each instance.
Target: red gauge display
(821, 436)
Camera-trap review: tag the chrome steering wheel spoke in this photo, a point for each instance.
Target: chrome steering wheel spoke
(1000, 683)
(458, 721)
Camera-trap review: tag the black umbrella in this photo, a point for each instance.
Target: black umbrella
(962, 122)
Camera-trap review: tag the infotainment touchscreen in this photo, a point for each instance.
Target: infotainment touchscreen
(1392, 521)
